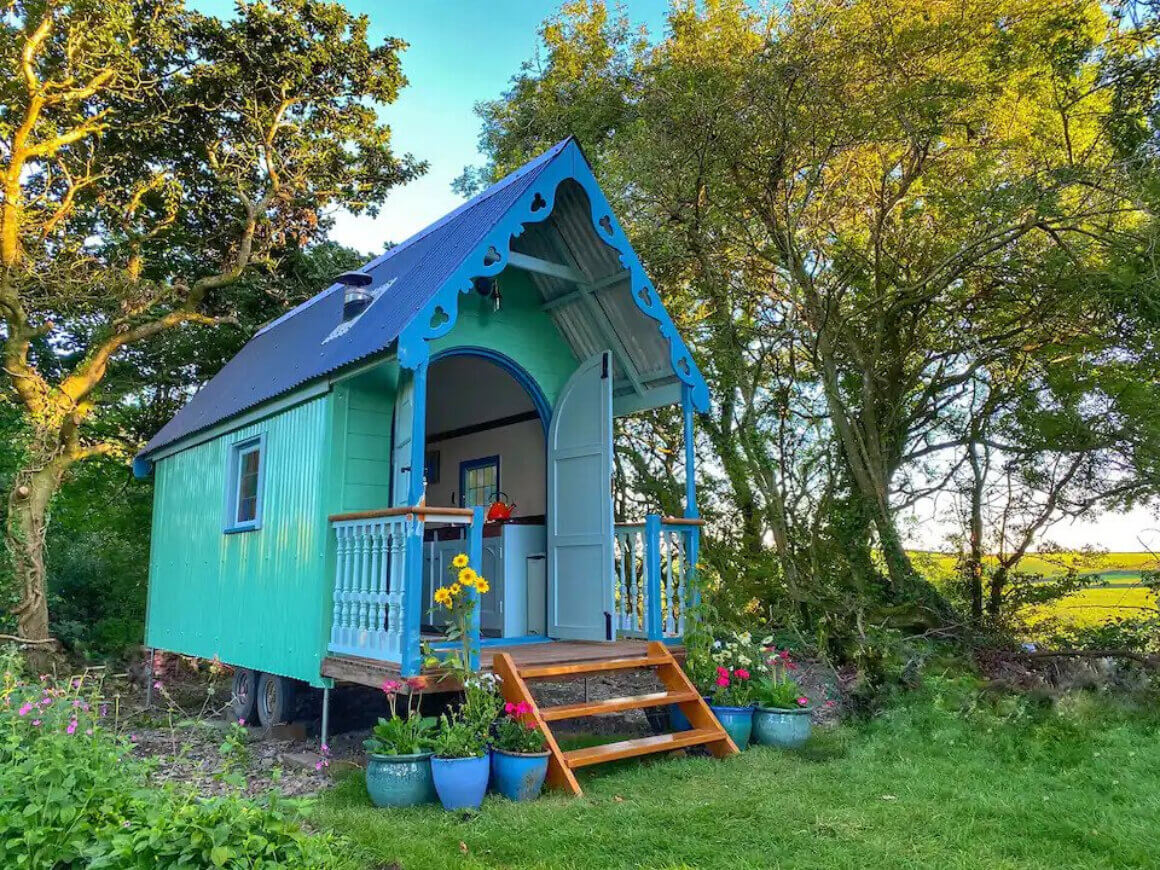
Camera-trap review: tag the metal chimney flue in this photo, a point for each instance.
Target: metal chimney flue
(357, 295)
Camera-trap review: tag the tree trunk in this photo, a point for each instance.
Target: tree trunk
(974, 562)
(28, 501)
(998, 585)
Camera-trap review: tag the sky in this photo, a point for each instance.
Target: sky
(464, 51)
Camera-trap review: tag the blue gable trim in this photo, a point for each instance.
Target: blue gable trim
(438, 316)
(420, 280)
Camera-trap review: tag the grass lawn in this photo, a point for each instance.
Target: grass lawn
(924, 785)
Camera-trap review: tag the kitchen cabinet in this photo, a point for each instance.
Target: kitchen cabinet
(506, 551)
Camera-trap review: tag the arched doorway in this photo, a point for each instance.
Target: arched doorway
(486, 421)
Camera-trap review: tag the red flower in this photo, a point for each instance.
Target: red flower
(722, 681)
(509, 708)
(417, 682)
(741, 674)
(722, 671)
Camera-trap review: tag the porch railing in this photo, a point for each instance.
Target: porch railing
(654, 564)
(378, 579)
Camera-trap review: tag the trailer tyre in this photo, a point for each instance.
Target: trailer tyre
(244, 694)
(275, 699)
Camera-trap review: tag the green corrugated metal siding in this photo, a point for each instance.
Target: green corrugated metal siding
(362, 409)
(257, 599)
(521, 329)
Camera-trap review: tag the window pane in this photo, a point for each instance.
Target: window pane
(480, 484)
(248, 486)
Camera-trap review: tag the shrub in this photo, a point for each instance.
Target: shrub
(72, 794)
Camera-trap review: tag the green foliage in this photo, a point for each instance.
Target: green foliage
(516, 732)
(402, 735)
(783, 694)
(950, 777)
(459, 738)
(72, 794)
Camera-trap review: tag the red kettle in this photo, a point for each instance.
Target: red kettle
(500, 509)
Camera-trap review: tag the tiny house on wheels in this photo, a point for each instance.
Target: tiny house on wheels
(309, 498)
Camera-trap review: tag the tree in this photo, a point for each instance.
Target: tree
(859, 210)
(152, 157)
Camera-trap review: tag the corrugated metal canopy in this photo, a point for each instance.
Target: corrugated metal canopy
(593, 308)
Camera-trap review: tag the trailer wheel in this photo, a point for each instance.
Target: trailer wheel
(275, 699)
(244, 694)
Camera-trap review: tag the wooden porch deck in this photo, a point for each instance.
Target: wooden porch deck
(372, 672)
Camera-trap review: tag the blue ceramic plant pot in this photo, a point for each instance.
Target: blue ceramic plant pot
(518, 776)
(737, 721)
(460, 782)
(400, 780)
(786, 728)
(678, 721)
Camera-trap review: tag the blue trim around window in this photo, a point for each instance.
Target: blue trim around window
(231, 525)
(469, 464)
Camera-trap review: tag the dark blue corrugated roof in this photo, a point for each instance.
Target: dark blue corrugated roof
(293, 349)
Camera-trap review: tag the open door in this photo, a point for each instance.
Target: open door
(580, 505)
(401, 440)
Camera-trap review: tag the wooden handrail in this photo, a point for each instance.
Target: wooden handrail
(682, 521)
(667, 521)
(420, 510)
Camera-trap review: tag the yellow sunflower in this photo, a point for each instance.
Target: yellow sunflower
(443, 596)
(482, 586)
(459, 561)
(455, 589)
(468, 577)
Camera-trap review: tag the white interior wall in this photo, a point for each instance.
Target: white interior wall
(522, 469)
(469, 391)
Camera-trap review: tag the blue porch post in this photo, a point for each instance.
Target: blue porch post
(691, 510)
(475, 554)
(652, 576)
(413, 585)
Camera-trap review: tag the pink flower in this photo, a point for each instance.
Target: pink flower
(72, 727)
(803, 701)
(391, 686)
(531, 726)
(88, 732)
(325, 749)
(35, 723)
(509, 708)
(132, 738)
(241, 721)
(722, 671)
(722, 681)
(157, 684)
(523, 708)
(25, 709)
(741, 674)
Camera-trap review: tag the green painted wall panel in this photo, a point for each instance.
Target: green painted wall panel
(521, 329)
(363, 407)
(258, 599)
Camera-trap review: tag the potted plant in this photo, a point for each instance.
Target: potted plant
(519, 754)
(399, 751)
(782, 717)
(460, 766)
(732, 703)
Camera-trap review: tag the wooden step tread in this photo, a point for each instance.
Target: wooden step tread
(640, 746)
(615, 705)
(538, 672)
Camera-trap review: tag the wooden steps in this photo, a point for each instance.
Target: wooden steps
(615, 705)
(706, 730)
(639, 746)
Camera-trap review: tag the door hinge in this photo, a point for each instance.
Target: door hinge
(607, 625)
(604, 366)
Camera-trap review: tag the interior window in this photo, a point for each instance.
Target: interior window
(479, 481)
(245, 485)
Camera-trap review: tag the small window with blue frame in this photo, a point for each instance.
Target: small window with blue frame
(479, 481)
(244, 496)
